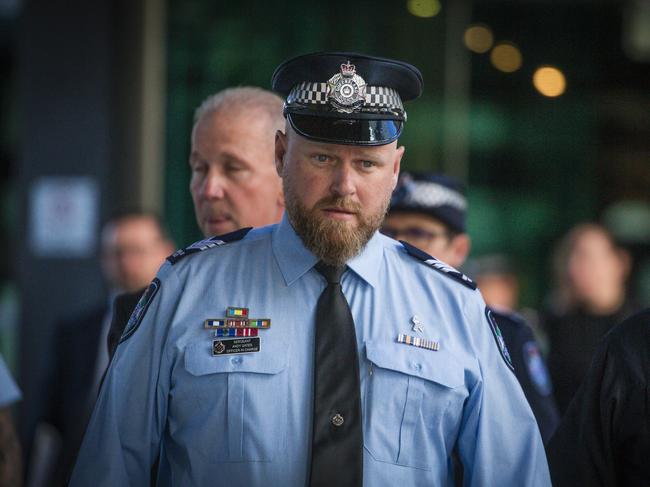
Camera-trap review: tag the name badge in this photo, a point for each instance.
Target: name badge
(238, 345)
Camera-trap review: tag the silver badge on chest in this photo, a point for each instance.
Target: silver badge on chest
(346, 91)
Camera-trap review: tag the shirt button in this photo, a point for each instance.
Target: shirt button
(337, 420)
(417, 366)
(235, 360)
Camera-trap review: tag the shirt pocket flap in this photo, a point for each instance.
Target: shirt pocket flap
(200, 361)
(436, 366)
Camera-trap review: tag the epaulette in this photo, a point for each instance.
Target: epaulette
(208, 243)
(447, 270)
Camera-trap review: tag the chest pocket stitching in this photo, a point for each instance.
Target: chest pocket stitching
(199, 362)
(441, 368)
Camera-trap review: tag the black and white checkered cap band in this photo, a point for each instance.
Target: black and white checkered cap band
(433, 195)
(378, 98)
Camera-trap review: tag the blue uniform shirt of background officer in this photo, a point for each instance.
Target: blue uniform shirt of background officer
(245, 419)
(429, 211)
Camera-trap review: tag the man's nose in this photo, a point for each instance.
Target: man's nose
(214, 185)
(343, 183)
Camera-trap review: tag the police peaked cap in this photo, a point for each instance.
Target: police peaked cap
(346, 97)
(435, 195)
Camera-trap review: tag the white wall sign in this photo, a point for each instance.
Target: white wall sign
(64, 217)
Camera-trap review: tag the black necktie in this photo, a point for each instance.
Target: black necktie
(337, 437)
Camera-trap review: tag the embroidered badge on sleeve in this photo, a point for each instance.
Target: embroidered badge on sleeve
(140, 310)
(498, 337)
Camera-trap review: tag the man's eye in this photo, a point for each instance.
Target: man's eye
(233, 168)
(321, 158)
(198, 167)
(367, 164)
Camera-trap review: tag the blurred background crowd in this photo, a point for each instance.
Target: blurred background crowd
(540, 108)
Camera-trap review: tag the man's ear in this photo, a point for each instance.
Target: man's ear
(461, 246)
(399, 153)
(280, 151)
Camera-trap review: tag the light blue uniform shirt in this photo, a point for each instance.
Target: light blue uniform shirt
(245, 420)
(9, 392)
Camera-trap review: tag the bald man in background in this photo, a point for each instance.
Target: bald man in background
(234, 183)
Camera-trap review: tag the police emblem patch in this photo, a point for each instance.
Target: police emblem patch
(140, 310)
(498, 337)
(536, 368)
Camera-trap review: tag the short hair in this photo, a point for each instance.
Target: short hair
(121, 215)
(243, 97)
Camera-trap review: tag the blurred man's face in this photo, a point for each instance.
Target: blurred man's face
(132, 252)
(234, 183)
(336, 195)
(428, 234)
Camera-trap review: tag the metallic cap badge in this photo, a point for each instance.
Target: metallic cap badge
(346, 90)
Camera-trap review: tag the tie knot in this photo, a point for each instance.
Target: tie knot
(331, 273)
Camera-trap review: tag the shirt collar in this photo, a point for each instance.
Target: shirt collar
(295, 260)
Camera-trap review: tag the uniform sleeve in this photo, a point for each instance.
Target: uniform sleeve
(123, 437)
(533, 377)
(499, 441)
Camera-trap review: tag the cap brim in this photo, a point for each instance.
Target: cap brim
(346, 131)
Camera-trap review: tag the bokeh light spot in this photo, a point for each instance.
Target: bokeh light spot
(478, 38)
(423, 8)
(506, 57)
(549, 81)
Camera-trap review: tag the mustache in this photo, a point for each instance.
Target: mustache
(339, 202)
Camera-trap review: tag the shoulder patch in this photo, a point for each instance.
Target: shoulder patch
(208, 243)
(498, 337)
(536, 368)
(439, 265)
(140, 310)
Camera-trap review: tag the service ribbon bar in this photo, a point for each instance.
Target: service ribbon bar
(220, 323)
(237, 323)
(233, 312)
(418, 342)
(259, 323)
(236, 332)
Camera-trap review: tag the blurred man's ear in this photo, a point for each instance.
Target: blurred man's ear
(626, 262)
(461, 245)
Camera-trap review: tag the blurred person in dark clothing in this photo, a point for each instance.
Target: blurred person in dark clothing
(133, 246)
(604, 438)
(591, 271)
(428, 211)
(234, 183)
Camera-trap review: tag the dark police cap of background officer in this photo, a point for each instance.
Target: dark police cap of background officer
(346, 97)
(435, 195)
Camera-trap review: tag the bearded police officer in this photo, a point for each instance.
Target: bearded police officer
(315, 351)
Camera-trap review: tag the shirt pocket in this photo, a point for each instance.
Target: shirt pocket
(412, 405)
(252, 417)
